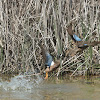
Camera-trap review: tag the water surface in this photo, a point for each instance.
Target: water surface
(30, 88)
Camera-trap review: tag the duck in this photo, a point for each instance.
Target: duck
(50, 64)
(80, 45)
(74, 37)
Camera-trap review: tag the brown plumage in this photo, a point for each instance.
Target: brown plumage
(81, 45)
(48, 60)
(70, 31)
(52, 68)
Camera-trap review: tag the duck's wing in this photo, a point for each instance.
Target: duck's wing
(47, 58)
(76, 38)
(84, 44)
(69, 29)
(72, 34)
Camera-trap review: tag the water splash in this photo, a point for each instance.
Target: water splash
(21, 82)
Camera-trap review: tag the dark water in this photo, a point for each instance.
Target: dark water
(27, 88)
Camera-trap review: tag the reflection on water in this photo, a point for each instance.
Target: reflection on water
(35, 88)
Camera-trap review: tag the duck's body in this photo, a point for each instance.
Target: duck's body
(49, 63)
(78, 41)
(49, 59)
(81, 45)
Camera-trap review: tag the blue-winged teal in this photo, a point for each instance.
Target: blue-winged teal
(78, 41)
(49, 62)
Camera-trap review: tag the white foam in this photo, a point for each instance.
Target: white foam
(21, 82)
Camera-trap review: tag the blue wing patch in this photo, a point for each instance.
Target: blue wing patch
(85, 44)
(76, 37)
(48, 59)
